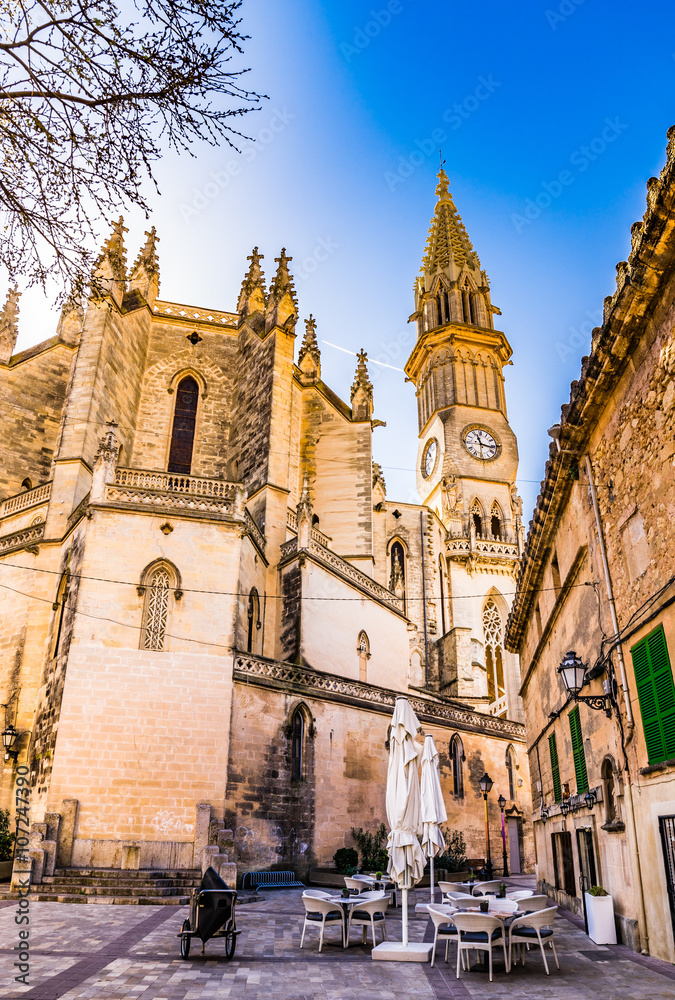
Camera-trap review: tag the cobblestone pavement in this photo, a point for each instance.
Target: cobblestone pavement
(105, 952)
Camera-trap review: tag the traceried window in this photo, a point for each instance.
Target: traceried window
(494, 658)
(397, 571)
(476, 515)
(456, 760)
(184, 421)
(156, 615)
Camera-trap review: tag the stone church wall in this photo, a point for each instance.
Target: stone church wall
(299, 824)
(32, 394)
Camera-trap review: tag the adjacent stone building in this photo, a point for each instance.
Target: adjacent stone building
(597, 579)
(208, 603)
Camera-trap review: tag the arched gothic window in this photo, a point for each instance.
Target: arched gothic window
(297, 744)
(253, 619)
(496, 521)
(60, 607)
(456, 759)
(27, 484)
(397, 571)
(494, 663)
(607, 775)
(511, 771)
(363, 649)
(476, 515)
(184, 421)
(156, 611)
(467, 309)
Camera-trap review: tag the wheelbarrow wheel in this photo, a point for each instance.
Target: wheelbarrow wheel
(185, 940)
(230, 945)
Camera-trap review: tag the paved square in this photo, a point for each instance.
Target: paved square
(106, 952)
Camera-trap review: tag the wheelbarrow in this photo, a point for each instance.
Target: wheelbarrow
(211, 916)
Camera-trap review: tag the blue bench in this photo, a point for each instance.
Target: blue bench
(270, 880)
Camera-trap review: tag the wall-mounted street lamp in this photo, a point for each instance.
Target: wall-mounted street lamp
(565, 807)
(590, 798)
(573, 673)
(485, 784)
(9, 737)
(544, 815)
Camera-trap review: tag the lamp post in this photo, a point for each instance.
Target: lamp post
(485, 784)
(502, 802)
(573, 673)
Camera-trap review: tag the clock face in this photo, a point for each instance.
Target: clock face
(480, 443)
(429, 458)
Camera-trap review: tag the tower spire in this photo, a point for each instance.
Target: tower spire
(110, 267)
(448, 240)
(144, 276)
(9, 328)
(282, 304)
(362, 390)
(309, 358)
(253, 295)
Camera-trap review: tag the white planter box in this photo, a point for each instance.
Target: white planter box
(601, 926)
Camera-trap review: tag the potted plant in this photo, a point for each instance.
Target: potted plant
(501, 892)
(6, 845)
(600, 913)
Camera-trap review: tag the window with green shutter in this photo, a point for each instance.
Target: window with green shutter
(555, 769)
(578, 751)
(656, 691)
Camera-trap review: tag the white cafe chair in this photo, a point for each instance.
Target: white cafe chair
(370, 913)
(320, 913)
(444, 929)
(520, 894)
(536, 926)
(478, 932)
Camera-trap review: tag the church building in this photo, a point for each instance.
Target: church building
(208, 602)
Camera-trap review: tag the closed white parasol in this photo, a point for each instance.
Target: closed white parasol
(433, 807)
(406, 858)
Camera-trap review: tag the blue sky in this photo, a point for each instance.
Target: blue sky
(554, 110)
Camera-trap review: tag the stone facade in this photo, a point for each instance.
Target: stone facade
(615, 440)
(208, 602)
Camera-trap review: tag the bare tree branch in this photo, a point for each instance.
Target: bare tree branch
(91, 92)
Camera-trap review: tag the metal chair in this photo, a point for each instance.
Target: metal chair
(318, 913)
(371, 913)
(533, 903)
(478, 932)
(444, 929)
(536, 926)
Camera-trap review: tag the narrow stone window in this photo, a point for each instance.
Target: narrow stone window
(397, 571)
(297, 747)
(253, 623)
(442, 583)
(607, 775)
(511, 772)
(184, 421)
(476, 515)
(496, 521)
(555, 573)
(363, 649)
(156, 616)
(60, 607)
(456, 759)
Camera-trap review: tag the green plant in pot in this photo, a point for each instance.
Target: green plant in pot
(6, 838)
(346, 860)
(502, 890)
(597, 890)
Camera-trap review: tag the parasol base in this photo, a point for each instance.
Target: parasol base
(396, 951)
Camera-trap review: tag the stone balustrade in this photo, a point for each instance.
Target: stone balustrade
(29, 498)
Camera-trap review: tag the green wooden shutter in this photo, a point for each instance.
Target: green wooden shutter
(578, 751)
(555, 769)
(656, 692)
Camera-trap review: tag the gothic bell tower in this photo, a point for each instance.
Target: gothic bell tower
(467, 456)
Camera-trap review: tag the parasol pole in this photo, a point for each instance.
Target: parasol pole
(431, 867)
(404, 916)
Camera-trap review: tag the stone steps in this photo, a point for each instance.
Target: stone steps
(114, 886)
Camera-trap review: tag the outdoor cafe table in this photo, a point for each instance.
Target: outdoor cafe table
(347, 904)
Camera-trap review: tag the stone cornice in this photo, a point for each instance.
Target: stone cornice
(330, 687)
(640, 282)
(456, 333)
